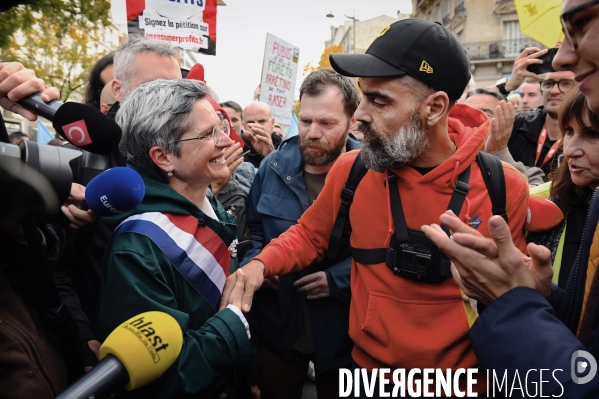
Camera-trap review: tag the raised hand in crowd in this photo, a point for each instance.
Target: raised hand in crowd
(259, 138)
(486, 268)
(501, 128)
(71, 208)
(529, 56)
(233, 159)
(17, 82)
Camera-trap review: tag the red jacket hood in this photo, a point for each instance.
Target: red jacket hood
(468, 128)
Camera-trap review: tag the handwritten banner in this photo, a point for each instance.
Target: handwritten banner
(279, 73)
(186, 24)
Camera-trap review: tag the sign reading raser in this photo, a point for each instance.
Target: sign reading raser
(279, 73)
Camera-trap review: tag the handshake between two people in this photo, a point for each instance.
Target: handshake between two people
(484, 268)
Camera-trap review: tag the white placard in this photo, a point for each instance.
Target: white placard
(181, 23)
(279, 73)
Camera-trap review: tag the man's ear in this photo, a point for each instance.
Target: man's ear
(435, 107)
(104, 108)
(117, 90)
(161, 158)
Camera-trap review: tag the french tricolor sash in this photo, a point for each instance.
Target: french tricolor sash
(197, 253)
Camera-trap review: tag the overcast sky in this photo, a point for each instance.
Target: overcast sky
(242, 25)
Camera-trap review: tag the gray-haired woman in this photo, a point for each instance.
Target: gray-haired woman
(171, 253)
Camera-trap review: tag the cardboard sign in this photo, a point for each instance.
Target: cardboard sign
(279, 73)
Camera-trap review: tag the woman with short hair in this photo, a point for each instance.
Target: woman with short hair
(172, 253)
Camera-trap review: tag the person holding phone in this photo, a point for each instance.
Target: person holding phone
(536, 136)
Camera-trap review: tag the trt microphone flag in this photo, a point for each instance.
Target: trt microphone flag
(43, 134)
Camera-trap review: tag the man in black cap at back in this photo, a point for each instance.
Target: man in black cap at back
(420, 150)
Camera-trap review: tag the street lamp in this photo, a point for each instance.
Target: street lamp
(353, 18)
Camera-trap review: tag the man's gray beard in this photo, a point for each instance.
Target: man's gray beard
(380, 152)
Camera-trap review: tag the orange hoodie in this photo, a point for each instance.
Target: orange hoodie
(396, 322)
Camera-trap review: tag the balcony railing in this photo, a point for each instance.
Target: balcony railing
(446, 19)
(460, 8)
(499, 49)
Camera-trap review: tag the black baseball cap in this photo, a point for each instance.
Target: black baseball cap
(424, 50)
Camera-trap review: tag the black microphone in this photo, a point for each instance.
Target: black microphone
(81, 125)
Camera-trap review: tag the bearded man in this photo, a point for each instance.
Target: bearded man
(303, 316)
(419, 147)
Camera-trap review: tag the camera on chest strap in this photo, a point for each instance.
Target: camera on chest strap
(417, 259)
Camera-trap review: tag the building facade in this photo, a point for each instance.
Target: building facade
(488, 30)
(356, 36)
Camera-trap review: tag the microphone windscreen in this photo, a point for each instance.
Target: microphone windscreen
(147, 345)
(542, 215)
(87, 128)
(115, 191)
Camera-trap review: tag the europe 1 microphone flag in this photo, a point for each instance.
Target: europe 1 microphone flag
(81, 125)
(115, 191)
(136, 353)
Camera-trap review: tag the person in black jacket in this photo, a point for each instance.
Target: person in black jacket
(258, 135)
(536, 135)
(40, 353)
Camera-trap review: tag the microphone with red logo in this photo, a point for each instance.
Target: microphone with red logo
(81, 125)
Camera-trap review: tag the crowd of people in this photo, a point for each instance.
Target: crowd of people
(383, 235)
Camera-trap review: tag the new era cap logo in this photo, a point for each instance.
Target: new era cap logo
(383, 32)
(425, 67)
(77, 133)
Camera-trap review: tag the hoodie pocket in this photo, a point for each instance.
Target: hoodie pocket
(414, 333)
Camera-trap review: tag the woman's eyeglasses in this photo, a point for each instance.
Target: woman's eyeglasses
(216, 133)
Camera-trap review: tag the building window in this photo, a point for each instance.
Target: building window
(515, 41)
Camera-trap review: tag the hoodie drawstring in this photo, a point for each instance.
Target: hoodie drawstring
(454, 175)
(391, 227)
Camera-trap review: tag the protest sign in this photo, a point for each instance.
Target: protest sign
(279, 73)
(186, 24)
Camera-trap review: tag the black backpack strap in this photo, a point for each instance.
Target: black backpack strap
(492, 171)
(357, 172)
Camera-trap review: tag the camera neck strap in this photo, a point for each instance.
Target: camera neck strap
(458, 197)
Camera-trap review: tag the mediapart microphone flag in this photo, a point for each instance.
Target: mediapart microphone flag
(136, 353)
(115, 191)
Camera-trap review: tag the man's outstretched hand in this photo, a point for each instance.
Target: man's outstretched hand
(254, 276)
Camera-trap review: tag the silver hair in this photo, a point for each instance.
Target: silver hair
(156, 114)
(124, 58)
